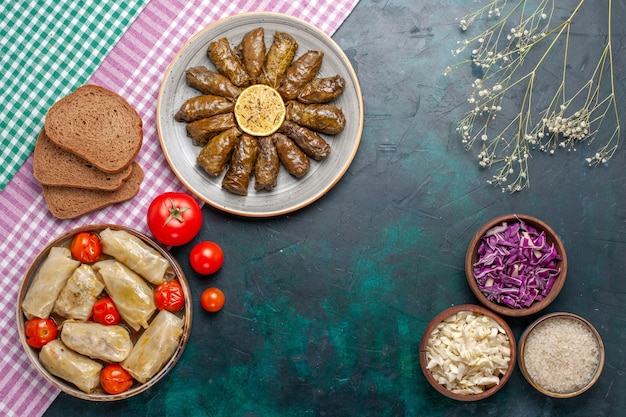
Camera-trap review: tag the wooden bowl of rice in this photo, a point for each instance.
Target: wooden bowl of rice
(561, 355)
(467, 352)
(515, 265)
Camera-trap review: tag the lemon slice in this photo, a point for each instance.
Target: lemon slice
(259, 110)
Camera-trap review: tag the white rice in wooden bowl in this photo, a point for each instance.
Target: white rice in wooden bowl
(561, 354)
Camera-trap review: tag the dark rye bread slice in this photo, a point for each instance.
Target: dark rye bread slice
(53, 165)
(70, 202)
(98, 126)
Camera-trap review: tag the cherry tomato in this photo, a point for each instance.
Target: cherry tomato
(169, 296)
(105, 312)
(206, 258)
(86, 247)
(114, 379)
(212, 299)
(40, 331)
(174, 218)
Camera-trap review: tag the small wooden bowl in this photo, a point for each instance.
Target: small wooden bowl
(424, 361)
(524, 350)
(471, 257)
(99, 395)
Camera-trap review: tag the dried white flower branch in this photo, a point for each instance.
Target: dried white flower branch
(498, 60)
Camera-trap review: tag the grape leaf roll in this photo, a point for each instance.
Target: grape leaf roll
(293, 159)
(227, 63)
(215, 154)
(240, 169)
(267, 165)
(210, 82)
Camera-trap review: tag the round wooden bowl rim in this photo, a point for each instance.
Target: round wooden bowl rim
(522, 362)
(471, 257)
(447, 313)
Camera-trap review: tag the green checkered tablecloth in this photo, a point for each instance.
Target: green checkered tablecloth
(48, 48)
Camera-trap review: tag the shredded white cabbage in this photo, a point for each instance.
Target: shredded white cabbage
(468, 352)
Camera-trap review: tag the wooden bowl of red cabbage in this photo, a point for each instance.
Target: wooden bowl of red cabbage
(516, 265)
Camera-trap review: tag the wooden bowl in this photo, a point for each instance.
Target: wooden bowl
(561, 348)
(476, 310)
(99, 395)
(471, 257)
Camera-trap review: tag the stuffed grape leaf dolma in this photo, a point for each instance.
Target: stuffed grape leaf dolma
(136, 255)
(215, 154)
(227, 63)
(241, 165)
(210, 82)
(278, 59)
(322, 90)
(310, 142)
(267, 165)
(201, 131)
(79, 294)
(299, 73)
(201, 107)
(73, 367)
(322, 118)
(155, 346)
(132, 296)
(252, 52)
(110, 343)
(291, 156)
(48, 283)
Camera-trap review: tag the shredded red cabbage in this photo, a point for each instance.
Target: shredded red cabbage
(516, 266)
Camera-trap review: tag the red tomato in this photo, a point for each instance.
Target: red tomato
(105, 312)
(40, 331)
(169, 296)
(212, 299)
(86, 247)
(174, 218)
(115, 379)
(206, 258)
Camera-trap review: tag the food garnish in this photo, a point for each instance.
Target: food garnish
(259, 110)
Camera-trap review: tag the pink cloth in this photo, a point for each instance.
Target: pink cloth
(134, 69)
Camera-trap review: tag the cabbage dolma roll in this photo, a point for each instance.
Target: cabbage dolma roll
(201, 131)
(227, 63)
(278, 59)
(322, 90)
(48, 283)
(293, 159)
(211, 82)
(322, 118)
(73, 367)
(267, 165)
(155, 346)
(241, 166)
(135, 254)
(203, 106)
(79, 294)
(132, 296)
(252, 53)
(215, 154)
(98, 341)
(299, 73)
(310, 142)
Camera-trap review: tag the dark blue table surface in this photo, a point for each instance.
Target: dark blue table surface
(326, 306)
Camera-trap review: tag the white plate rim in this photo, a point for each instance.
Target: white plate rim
(223, 200)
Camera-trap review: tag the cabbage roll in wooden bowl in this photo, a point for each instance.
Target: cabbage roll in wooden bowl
(104, 312)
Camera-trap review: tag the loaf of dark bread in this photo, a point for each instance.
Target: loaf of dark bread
(96, 125)
(71, 202)
(53, 165)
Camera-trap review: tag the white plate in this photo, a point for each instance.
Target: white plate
(290, 194)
